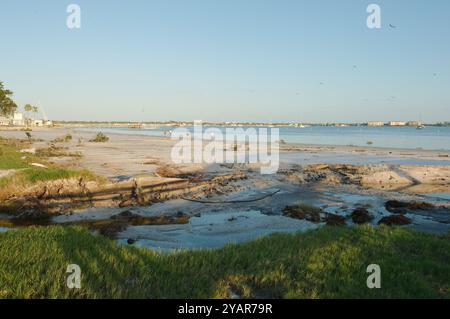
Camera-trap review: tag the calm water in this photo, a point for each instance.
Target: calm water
(429, 138)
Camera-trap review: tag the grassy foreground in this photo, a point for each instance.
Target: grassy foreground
(325, 263)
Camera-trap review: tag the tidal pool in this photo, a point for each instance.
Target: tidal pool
(213, 230)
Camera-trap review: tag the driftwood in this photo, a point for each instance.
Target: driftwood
(57, 197)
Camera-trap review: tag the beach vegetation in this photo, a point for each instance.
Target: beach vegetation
(56, 151)
(100, 138)
(66, 138)
(28, 168)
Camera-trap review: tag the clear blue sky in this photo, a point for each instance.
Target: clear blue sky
(219, 60)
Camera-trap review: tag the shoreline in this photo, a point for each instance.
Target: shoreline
(286, 145)
(141, 185)
(133, 155)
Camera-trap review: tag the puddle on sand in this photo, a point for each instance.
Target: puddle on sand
(213, 230)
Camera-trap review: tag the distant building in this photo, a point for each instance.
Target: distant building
(48, 123)
(340, 124)
(413, 123)
(17, 119)
(397, 123)
(5, 121)
(375, 123)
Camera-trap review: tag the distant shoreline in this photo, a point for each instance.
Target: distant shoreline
(187, 123)
(293, 142)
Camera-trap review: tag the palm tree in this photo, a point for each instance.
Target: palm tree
(28, 108)
(35, 110)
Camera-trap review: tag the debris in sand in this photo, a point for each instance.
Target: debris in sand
(335, 220)
(361, 216)
(398, 207)
(118, 223)
(167, 171)
(385, 177)
(303, 211)
(38, 165)
(395, 220)
(28, 150)
(62, 195)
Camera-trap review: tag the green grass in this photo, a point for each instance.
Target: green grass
(327, 263)
(26, 174)
(33, 175)
(10, 158)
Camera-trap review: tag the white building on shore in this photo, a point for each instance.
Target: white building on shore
(374, 123)
(5, 121)
(397, 123)
(17, 119)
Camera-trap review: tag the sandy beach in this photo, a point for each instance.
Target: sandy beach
(125, 156)
(337, 179)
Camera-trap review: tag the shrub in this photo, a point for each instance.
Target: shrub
(100, 138)
(67, 138)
